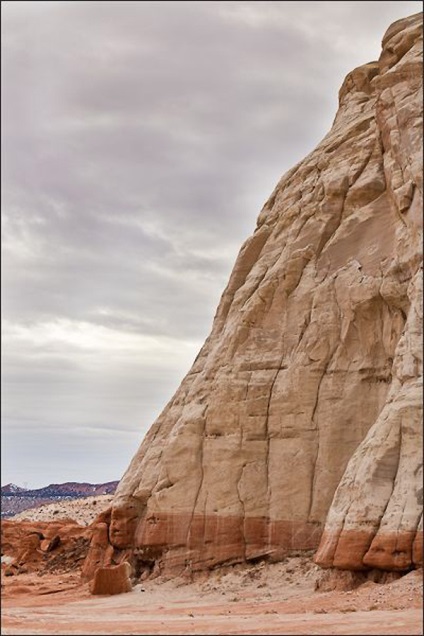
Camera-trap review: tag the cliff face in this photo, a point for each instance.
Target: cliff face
(300, 419)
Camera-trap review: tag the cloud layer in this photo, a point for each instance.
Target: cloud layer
(140, 140)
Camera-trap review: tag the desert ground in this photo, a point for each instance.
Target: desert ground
(294, 596)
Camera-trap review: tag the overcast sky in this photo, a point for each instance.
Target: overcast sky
(140, 141)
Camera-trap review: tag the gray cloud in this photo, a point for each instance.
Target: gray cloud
(140, 140)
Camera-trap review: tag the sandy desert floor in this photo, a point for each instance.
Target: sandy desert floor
(263, 599)
(273, 598)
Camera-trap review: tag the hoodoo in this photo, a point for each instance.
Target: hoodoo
(299, 425)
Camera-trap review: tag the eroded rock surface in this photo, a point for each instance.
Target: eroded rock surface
(302, 409)
(43, 547)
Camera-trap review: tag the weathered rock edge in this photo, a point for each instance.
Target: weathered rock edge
(304, 406)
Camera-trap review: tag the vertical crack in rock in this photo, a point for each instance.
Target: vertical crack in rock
(315, 423)
(243, 517)
(267, 435)
(199, 489)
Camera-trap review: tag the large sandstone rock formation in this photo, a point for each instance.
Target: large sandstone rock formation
(299, 423)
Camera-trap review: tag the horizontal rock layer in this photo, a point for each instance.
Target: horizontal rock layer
(302, 409)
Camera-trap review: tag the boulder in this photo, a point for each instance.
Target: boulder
(48, 545)
(113, 579)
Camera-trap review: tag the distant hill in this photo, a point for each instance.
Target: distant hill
(15, 499)
(12, 489)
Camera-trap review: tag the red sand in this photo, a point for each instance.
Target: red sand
(263, 599)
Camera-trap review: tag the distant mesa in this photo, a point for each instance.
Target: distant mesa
(15, 499)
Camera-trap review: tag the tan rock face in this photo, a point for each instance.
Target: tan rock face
(304, 402)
